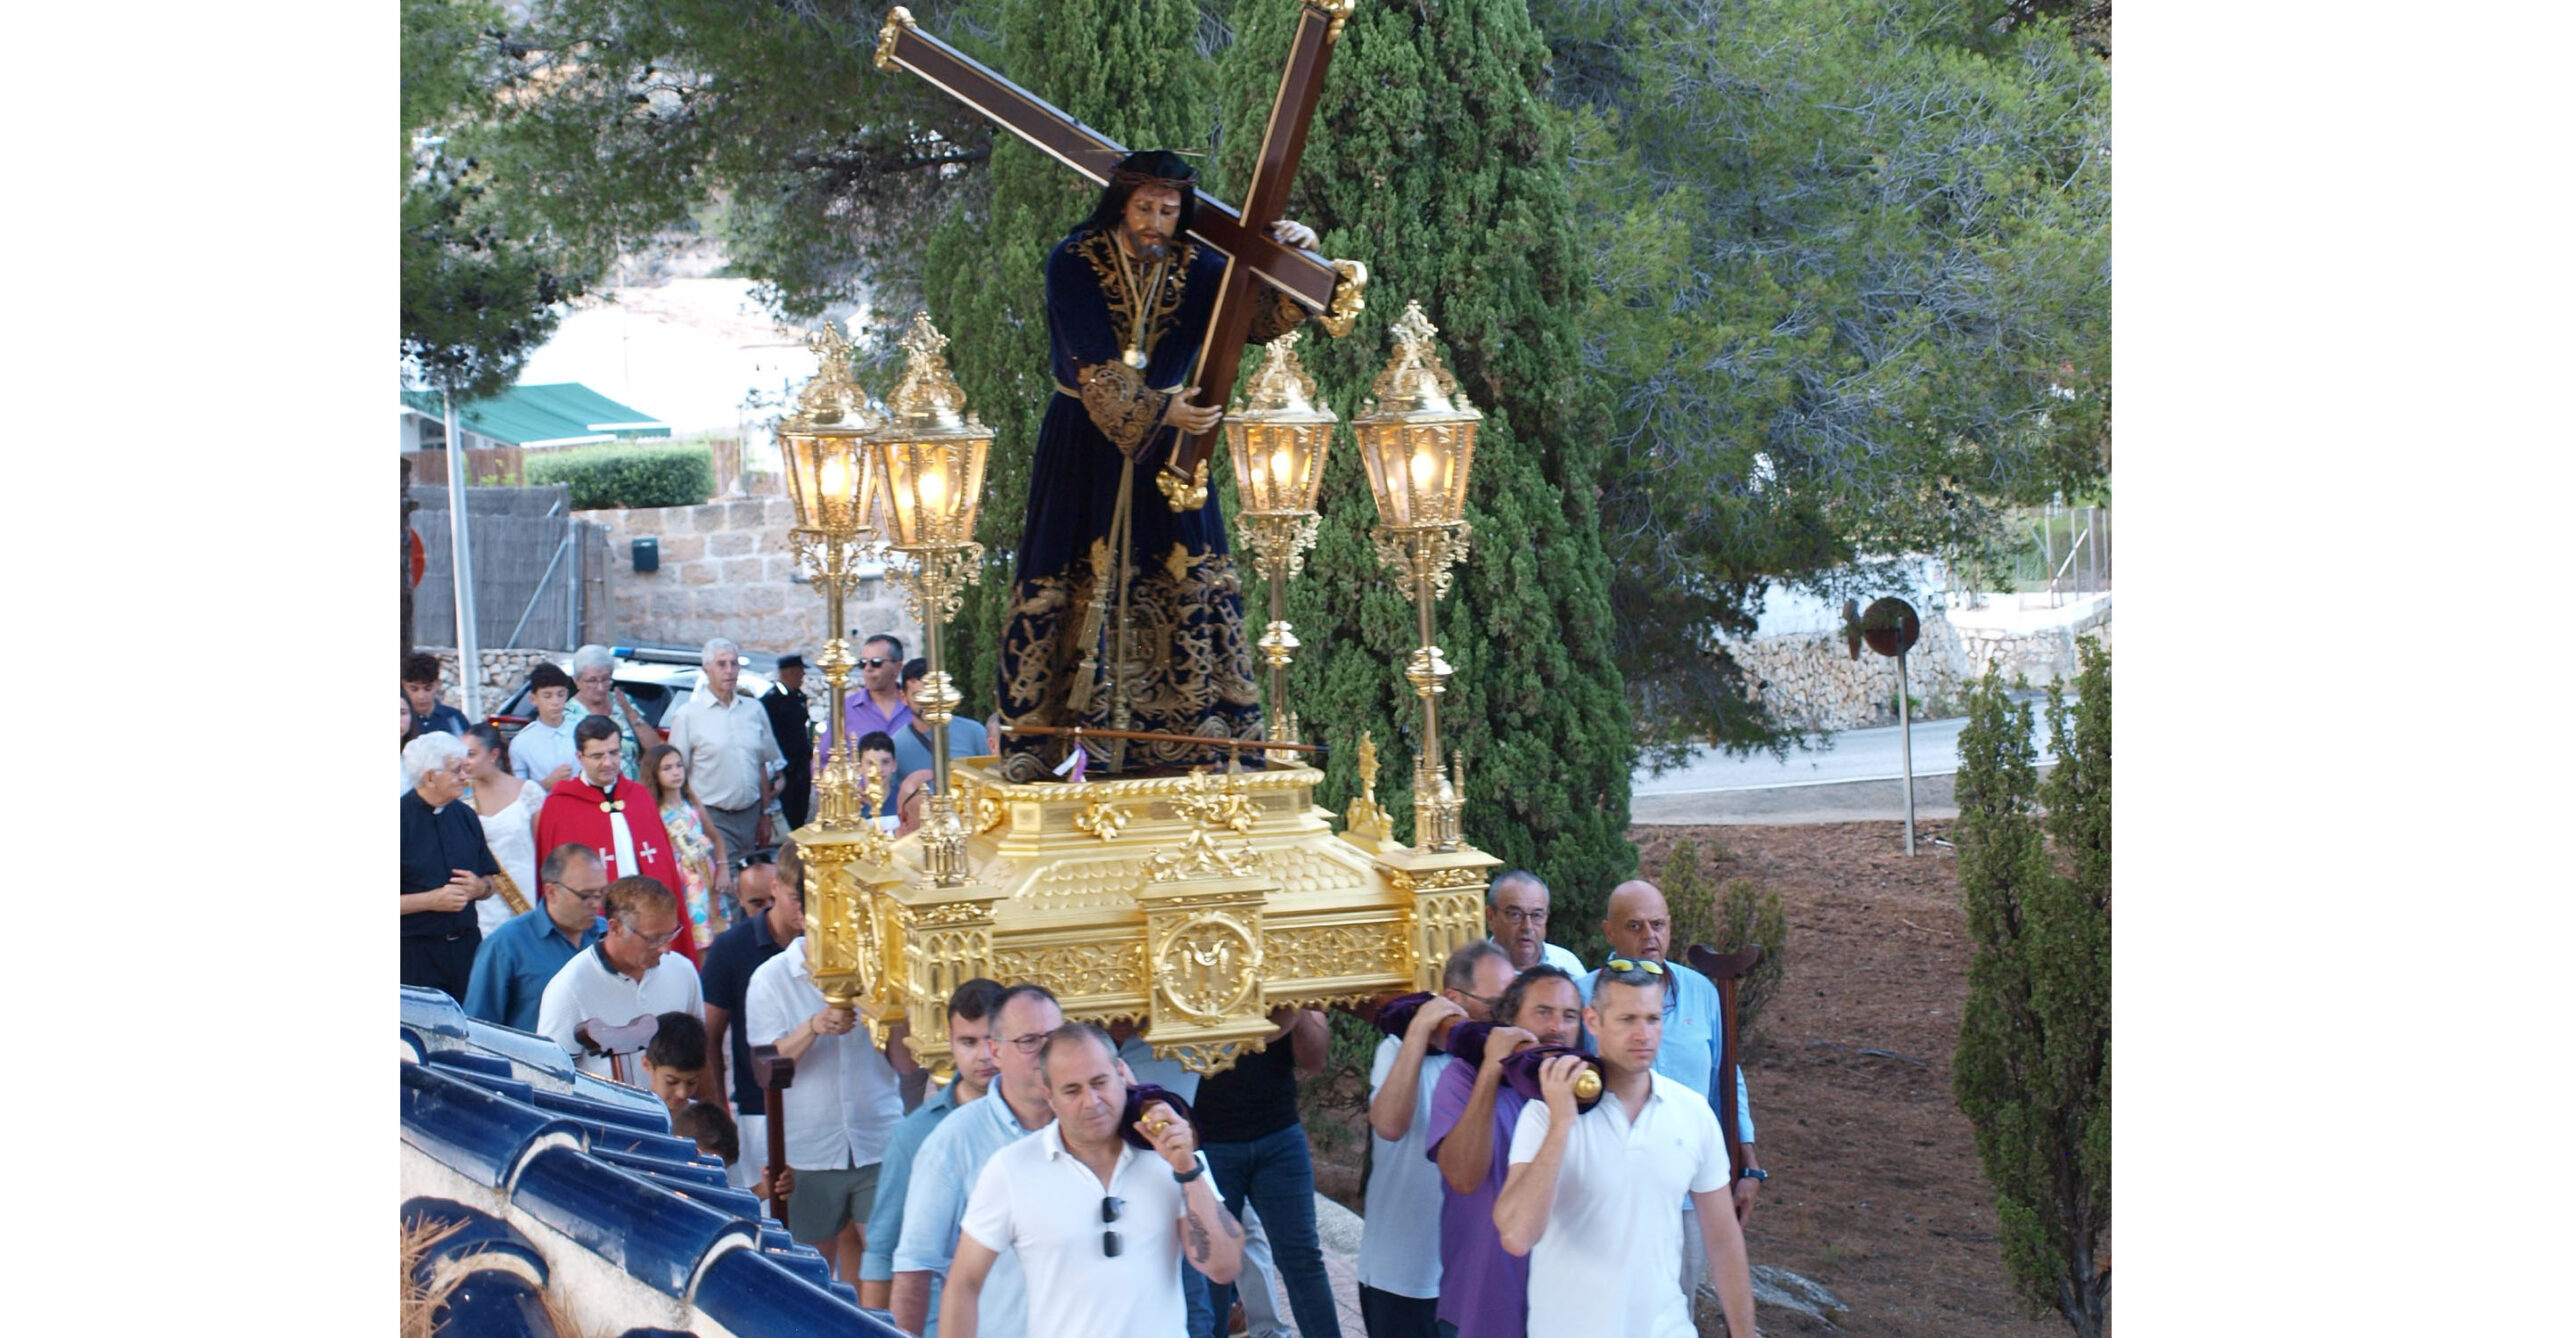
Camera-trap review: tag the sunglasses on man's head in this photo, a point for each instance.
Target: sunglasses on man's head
(1650, 968)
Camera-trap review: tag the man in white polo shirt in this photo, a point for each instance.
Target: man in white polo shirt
(728, 745)
(1399, 1269)
(1594, 1198)
(838, 1110)
(1101, 1227)
(626, 976)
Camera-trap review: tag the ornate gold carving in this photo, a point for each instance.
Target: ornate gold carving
(1074, 969)
(899, 21)
(833, 396)
(1367, 818)
(926, 395)
(1208, 966)
(940, 576)
(1338, 10)
(1199, 856)
(1431, 552)
(1208, 1060)
(1102, 819)
(1323, 952)
(950, 913)
(1351, 295)
(1179, 495)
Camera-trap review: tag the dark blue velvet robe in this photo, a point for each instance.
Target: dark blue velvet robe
(1190, 666)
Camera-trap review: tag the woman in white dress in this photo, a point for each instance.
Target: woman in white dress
(507, 805)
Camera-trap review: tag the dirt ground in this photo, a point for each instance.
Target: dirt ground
(1874, 1189)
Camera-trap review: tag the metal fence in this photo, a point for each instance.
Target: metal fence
(2056, 554)
(530, 572)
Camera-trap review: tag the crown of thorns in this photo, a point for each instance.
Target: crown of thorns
(1122, 176)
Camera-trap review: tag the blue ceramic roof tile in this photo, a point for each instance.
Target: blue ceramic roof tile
(594, 1161)
(478, 1236)
(656, 1236)
(473, 1130)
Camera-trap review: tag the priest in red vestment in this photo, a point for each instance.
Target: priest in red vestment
(615, 816)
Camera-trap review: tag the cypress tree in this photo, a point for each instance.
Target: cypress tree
(1434, 159)
(1131, 71)
(2034, 1055)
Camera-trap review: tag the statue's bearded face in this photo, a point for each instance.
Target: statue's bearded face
(1148, 221)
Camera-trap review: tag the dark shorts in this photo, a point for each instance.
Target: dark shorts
(823, 1203)
(1389, 1315)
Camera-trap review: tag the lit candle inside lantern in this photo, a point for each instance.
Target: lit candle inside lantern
(930, 490)
(1426, 468)
(831, 480)
(1284, 474)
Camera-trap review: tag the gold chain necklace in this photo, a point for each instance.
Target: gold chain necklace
(1135, 354)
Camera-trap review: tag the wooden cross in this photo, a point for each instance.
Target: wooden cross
(1727, 969)
(1254, 258)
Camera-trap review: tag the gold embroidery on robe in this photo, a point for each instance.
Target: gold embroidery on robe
(1097, 249)
(1116, 398)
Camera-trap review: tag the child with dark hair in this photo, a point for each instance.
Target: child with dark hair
(879, 754)
(674, 1062)
(710, 1128)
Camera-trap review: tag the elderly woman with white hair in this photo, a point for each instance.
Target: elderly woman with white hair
(444, 867)
(591, 667)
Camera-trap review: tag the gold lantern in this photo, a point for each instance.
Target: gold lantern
(933, 463)
(1277, 446)
(1417, 441)
(827, 461)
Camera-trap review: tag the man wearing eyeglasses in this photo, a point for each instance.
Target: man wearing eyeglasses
(1100, 1227)
(1399, 1268)
(1515, 914)
(1596, 1197)
(1639, 931)
(522, 955)
(626, 976)
(839, 1108)
(948, 1167)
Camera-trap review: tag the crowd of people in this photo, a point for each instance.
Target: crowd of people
(1064, 1171)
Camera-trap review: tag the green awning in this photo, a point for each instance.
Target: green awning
(561, 414)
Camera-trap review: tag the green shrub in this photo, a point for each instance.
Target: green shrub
(1726, 917)
(626, 476)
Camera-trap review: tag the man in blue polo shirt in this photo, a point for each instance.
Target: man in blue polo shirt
(946, 1169)
(1639, 932)
(523, 954)
(971, 1013)
(914, 740)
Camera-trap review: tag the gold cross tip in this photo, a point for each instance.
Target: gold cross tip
(1413, 381)
(926, 394)
(833, 396)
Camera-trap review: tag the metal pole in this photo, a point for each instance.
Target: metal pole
(1902, 707)
(466, 614)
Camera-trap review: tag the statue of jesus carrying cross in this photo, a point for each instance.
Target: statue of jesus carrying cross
(1126, 613)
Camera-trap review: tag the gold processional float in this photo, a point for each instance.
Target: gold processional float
(1190, 905)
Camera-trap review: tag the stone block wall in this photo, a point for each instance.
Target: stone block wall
(1809, 681)
(725, 568)
(500, 673)
(2040, 654)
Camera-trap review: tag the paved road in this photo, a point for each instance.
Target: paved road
(1858, 778)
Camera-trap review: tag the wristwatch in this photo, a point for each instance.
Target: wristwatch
(1199, 1167)
(1752, 1173)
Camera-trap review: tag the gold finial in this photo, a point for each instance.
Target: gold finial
(833, 398)
(1337, 10)
(1365, 817)
(1368, 768)
(926, 395)
(1350, 298)
(1281, 385)
(899, 21)
(1413, 380)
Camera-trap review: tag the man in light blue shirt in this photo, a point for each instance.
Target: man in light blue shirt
(914, 739)
(522, 955)
(1515, 916)
(946, 1170)
(973, 1066)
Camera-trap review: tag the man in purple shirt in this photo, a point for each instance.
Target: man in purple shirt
(1484, 1290)
(880, 705)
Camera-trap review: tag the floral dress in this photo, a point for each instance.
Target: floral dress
(692, 840)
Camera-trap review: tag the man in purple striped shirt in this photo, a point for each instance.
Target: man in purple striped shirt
(1484, 1290)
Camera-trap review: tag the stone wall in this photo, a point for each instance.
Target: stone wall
(500, 672)
(2039, 649)
(725, 568)
(1809, 681)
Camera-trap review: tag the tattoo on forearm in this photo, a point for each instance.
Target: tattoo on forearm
(1197, 1245)
(1227, 1223)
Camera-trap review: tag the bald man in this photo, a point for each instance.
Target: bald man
(1639, 930)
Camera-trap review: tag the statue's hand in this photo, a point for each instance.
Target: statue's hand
(1193, 418)
(1294, 233)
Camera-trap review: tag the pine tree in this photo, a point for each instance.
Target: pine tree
(2034, 1056)
(1434, 159)
(1131, 71)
